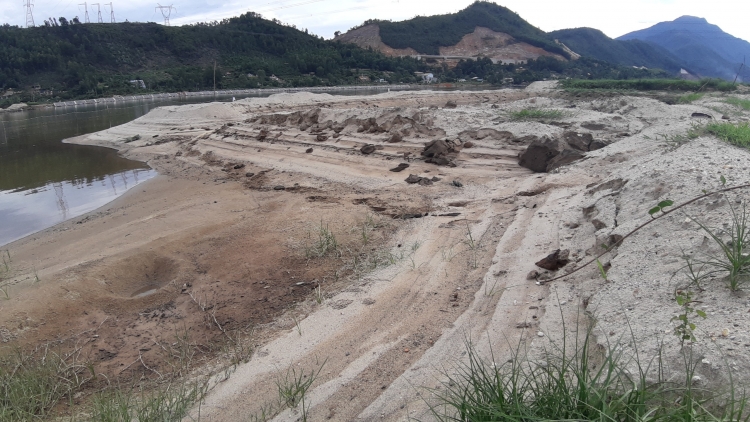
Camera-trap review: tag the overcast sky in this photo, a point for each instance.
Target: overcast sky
(324, 17)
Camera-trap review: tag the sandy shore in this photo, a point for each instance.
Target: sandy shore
(245, 188)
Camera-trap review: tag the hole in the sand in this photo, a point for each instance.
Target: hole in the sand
(139, 276)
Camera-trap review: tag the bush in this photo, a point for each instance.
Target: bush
(649, 84)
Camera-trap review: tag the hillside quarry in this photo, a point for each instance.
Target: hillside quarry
(438, 231)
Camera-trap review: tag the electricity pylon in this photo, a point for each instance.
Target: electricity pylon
(98, 12)
(29, 15)
(111, 12)
(165, 11)
(86, 9)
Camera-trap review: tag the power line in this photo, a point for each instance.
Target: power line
(166, 11)
(86, 10)
(29, 13)
(111, 12)
(98, 12)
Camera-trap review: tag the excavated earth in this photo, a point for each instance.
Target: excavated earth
(226, 237)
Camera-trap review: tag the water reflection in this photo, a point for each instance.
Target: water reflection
(23, 212)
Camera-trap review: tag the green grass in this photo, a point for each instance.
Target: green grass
(736, 134)
(648, 85)
(744, 104)
(168, 403)
(31, 384)
(574, 384)
(536, 114)
(689, 98)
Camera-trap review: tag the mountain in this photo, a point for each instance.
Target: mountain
(703, 47)
(593, 43)
(101, 59)
(482, 29)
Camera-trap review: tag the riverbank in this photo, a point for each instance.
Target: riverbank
(252, 193)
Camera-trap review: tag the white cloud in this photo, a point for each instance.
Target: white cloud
(324, 17)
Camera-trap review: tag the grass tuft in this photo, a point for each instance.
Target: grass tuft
(736, 134)
(689, 98)
(744, 104)
(577, 385)
(536, 114)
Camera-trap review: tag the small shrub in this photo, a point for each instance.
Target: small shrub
(323, 243)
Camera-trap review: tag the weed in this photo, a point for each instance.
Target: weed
(294, 385)
(537, 114)
(684, 329)
(31, 384)
(602, 271)
(296, 325)
(743, 104)
(732, 259)
(319, 296)
(324, 243)
(168, 403)
(689, 98)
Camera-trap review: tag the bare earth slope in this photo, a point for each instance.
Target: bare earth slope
(482, 42)
(457, 272)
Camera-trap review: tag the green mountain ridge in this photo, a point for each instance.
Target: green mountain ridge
(100, 59)
(426, 34)
(594, 43)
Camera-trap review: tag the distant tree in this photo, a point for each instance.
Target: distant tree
(75, 21)
(63, 21)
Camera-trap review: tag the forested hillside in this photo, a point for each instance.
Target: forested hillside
(594, 43)
(100, 59)
(426, 34)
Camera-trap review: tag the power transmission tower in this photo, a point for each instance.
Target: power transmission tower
(165, 11)
(86, 9)
(111, 12)
(29, 15)
(98, 12)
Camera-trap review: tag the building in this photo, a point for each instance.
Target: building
(138, 83)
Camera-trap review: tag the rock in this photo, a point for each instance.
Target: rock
(435, 179)
(400, 167)
(425, 181)
(540, 334)
(249, 174)
(555, 260)
(336, 135)
(532, 275)
(321, 138)
(450, 104)
(579, 141)
(308, 151)
(567, 156)
(724, 117)
(262, 135)
(457, 183)
(468, 144)
(395, 138)
(598, 144)
(413, 178)
(238, 166)
(541, 151)
(279, 187)
(598, 224)
(367, 149)
(304, 126)
(699, 115)
(440, 152)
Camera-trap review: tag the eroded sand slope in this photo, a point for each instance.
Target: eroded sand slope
(385, 336)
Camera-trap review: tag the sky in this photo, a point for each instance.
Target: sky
(324, 17)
